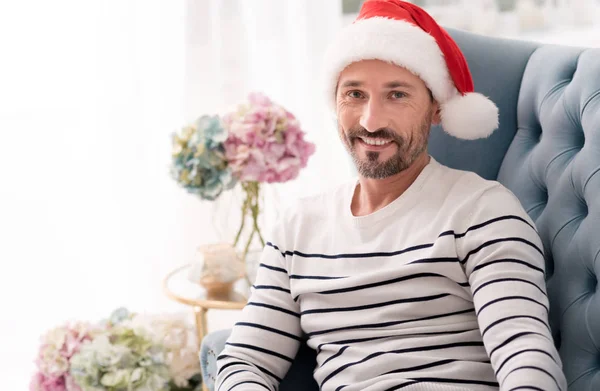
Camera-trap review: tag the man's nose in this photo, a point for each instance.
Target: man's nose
(373, 116)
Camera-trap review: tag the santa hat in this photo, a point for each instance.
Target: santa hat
(406, 35)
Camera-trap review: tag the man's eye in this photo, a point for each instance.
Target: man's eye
(355, 94)
(398, 95)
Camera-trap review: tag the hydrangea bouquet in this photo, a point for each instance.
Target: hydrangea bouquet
(128, 352)
(259, 142)
(57, 348)
(199, 164)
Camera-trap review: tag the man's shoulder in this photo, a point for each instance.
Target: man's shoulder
(473, 191)
(469, 184)
(478, 199)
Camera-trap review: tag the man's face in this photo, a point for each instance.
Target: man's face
(384, 116)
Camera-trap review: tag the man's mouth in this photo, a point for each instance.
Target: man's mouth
(373, 143)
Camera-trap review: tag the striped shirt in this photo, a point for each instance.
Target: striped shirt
(442, 289)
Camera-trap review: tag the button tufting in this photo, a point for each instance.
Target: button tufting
(584, 209)
(549, 263)
(557, 339)
(536, 131)
(580, 137)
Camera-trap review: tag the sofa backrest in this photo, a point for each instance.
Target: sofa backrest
(547, 152)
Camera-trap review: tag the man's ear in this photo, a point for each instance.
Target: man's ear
(437, 113)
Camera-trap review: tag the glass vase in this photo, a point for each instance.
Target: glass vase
(249, 240)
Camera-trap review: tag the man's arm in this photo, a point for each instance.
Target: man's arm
(263, 344)
(503, 257)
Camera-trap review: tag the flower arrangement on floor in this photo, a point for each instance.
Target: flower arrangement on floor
(128, 352)
(259, 142)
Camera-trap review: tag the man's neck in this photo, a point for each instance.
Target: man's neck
(373, 194)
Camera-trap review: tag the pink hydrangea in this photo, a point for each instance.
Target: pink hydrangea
(265, 142)
(41, 382)
(57, 347)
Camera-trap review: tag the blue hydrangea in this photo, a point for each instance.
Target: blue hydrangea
(198, 159)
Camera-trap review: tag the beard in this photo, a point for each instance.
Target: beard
(409, 148)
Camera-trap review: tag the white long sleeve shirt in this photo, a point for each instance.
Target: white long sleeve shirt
(442, 289)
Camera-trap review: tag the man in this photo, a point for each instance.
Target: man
(416, 276)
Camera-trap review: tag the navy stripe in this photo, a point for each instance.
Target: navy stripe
(386, 324)
(348, 341)
(230, 364)
(455, 381)
(536, 369)
(382, 283)
(259, 349)
(420, 367)
(358, 255)
(489, 303)
(398, 252)
(507, 280)
(440, 333)
(400, 351)
(402, 386)
(512, 338)
(514, 317)
(521, 352)
(277, 269)
(276, 331)
(376, 305)
(263, 370)
(233, 373)
(507, 260)
(271, 287)
(250, 382)
(275, 308)
(501, 240)
(507, 217)
(434, 260)
(269, 244)
(358, 340)
(339, 353)
(396, 371)
(298, 277)
(526, 388)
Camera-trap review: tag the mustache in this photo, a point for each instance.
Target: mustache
(385, 133)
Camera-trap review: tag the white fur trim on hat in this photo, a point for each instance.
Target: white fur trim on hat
(395, 41)
(470, 116)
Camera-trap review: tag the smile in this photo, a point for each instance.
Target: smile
(375, 141)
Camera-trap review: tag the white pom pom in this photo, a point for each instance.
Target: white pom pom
(469, 116)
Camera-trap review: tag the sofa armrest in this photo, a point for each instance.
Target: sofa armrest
(211, 347)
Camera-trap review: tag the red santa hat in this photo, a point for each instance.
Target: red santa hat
(406, 35)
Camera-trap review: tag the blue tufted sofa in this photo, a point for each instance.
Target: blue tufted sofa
(547, 151)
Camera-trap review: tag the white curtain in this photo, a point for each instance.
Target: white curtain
(89, 93)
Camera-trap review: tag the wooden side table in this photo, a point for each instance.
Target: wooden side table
(177, 286)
